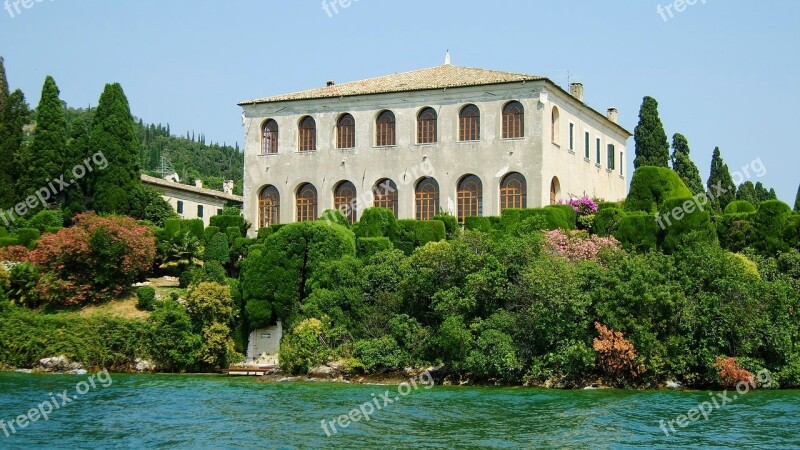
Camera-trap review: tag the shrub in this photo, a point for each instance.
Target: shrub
(770, 223)
(209, 303)
(570, 215)
(475, 223)
(697, 222)
(147, 298)
(429, 231)
(223, 222)
(549, 218)
(451, 226)
(186, 277)
(651, 186)
(494, 357)
(731, 373)
(578, 245)
(378, 222)
(366, 247)
(259, 314)
(233, 233)
(193, 226)
(93, 261)
(15, 253)
(380, 354)
(335, 216)
(404, 246)
(23, 279)
(175, 346)
(583, 206)
(616, 355)
(8, 241)
(637, 232)
(303, 348)
(739, 206)
(47, 218)
(209, 232)
(211, 272)
(607, 220)
(3, 232)
(217, 249)
(264, 233)
(736, 231)
(27, 237)
(172, 226)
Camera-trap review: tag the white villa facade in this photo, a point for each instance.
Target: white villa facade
(193, 202)
(455, 139)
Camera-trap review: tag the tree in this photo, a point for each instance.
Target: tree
(797, 201)
(720, 183)
(3, 85)
(652, 147)
(763, 194)
(218, 249)
(747, 192)
(682, 163)
(116, 189)
(46, 151)
(78, 149)
(13, 117)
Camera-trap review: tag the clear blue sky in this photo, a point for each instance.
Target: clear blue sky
(725, 72)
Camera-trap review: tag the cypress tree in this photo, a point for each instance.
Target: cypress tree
(747, 192)
(652, 147)
(117, 188)
(763, 194)
(15, 115)
(4, 93)
(720, 183)
(78, 150)
(797, 201)
(682, 163)
(46, 152)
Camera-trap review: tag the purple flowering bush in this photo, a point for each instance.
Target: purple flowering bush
(584, 206)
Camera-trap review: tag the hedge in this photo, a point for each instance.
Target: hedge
(429, 231)
(147, 298)
(694, 220)
(637, 231)
(335, 216)
(377, 222)
(652, 186)
(407, 247)
(217, 249)
(8, 241)
(475, 223)
(28, 236)
(739, 206)
(209, 233)
(3, 232)
(172, 227)
(46, 219)
(606, 221)
(264, 233)
(547, 218)
(233, 234)
(193, 226)
(369, 246)
(736, 231)
(571, 215)
(770, 221)
(276, 227)
(451, 226)
(223, 222)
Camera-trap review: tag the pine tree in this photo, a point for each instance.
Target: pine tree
(15, 115)
(720, 183)
(797, 201)
(4, 93)
(117, 188)
(652, 147)
(683, 165)
(747, 192)
(46, 152)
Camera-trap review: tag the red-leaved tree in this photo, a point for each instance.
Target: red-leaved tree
(731, 373)
(94, 260)
(616, 355)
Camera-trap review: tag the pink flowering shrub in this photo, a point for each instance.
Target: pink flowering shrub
(584, 206)
(578, 245)
(93, 261)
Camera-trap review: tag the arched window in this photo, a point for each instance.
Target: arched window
(426, 126)
(513, 121)
(385, 129)
(269, 207)
(385, 193)
(427, 198)
(306, 202)
(308, 134)
(346, 132)
(469, 123)
(470, 197)
(554, 125)
(344, 199)
(555, 190)
(513, 192)
(269, 137)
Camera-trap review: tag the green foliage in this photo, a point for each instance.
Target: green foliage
(211, 272)
(429, 231)
(14, 116)
(682, 164)
(607, 220)
(177, 251)
(451, 226)
(46, 218)
(209, 233)
(720, 183)
(548, 218)
(380, 354)
(259, 314)
(366, 247)
(739, 207)
(233, 233)
(797, 201)
(494, 357)
(304, 347)
(652, 147)
(193, 226)
(27, 237)
(736, 231)
(147, 298)
(172, 226)
(377, 222)
(335, 216)
(224, 222)
(22, 285)
(770, 222)
(263, 234)
(175, 346)
(693, 221)
(747, 192)
(652, 186)
(570, 215)
(476, 223)
(217, 249)
(157, 210)
(637, 231)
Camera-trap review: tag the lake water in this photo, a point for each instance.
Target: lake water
(177, 411)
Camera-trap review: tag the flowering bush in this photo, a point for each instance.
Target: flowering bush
(731, 373)
(93, 261)
(578, 245)
(584, 206)
(14, 254)
(616, 355)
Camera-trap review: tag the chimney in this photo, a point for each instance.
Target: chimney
(330, 83)
(227, 187)
(576, 89)
(612, 114)
(198, 183)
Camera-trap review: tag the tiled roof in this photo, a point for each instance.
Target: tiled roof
(439, 77)
(193, 189)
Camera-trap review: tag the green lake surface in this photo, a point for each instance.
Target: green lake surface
(187, 411)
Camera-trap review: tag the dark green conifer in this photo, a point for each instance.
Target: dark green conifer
(652, 147)
(720, 183)
(683, 165)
